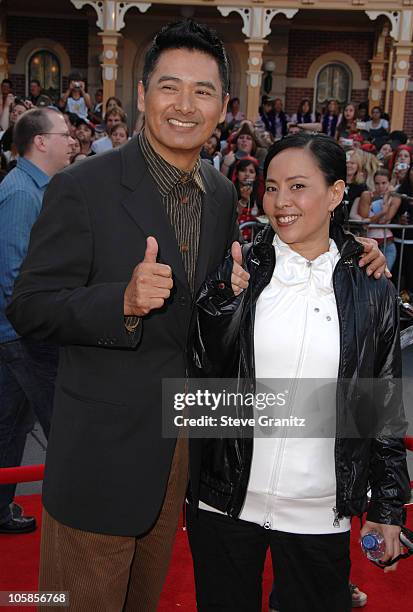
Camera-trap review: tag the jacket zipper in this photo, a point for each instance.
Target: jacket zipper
(275, 474)
(341, 263)
(336, 522)
(336, 511)
(255, 263)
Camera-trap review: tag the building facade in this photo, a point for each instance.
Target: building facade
(351, 50)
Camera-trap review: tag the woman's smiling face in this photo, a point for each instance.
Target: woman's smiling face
(298, 201)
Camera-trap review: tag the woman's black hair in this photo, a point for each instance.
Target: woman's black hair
(218, 144)
(241, 165)
(300, 110)
(406, 186)
(345, 125)
(379, 109)
(328, 154)
(244, 162)
(231, 103)
(190, 35)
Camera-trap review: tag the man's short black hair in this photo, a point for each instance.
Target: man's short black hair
(187, 35)
(35, 81)
(36, 121)
(7, 81)
(73, 118)
(87, 123)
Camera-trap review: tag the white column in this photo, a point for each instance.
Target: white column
(377, 83)
(401, 31)
(110, 19)
(256, 27)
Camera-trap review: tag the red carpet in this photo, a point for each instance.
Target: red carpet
(19, 567)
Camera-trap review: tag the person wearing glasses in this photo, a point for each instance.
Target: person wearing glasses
(27, 368)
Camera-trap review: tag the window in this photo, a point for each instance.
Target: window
(45, 67)
(333, 82)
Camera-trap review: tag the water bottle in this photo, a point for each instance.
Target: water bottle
(373, 545)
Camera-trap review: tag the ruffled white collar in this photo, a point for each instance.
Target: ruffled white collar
(293, 270)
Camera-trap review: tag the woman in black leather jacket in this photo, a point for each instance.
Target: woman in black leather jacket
(309, 311)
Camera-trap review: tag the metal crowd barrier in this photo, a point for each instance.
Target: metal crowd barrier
(355, 224)
(360, 227)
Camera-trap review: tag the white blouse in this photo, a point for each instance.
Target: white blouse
(292, 484)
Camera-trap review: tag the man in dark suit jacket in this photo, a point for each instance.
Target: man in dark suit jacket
(114, 487)
(121, 246)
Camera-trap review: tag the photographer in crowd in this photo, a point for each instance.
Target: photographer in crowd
(75, 99)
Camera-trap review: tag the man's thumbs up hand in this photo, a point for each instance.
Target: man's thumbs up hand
(239, 276)
(151, 252)
(150, 285)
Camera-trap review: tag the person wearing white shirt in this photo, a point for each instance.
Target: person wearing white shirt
(113, 117)
(377, 121)
(300, 315)
(76, 100)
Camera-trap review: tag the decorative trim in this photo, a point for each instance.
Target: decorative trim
(392, 16)
(300, 83)
(113, 18)
(97, 5)
(271, 13)
(40, 44)
(256, 20)
(245, 16)
(122, 8)
(341, 58)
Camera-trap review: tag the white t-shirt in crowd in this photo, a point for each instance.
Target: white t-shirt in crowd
(77, 106)
(383, 124)
(102, 145)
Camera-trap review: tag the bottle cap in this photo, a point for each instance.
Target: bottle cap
(370, 542)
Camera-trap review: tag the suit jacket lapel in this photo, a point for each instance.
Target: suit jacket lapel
(209, 218)
(145, 207)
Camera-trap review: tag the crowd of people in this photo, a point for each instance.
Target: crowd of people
(238, 148)
(127, 259)
(93, 128)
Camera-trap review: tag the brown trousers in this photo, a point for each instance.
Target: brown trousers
(105, 573)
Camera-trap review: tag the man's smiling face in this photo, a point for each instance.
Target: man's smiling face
(183, 104)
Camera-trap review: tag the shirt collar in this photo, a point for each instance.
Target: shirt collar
(284, 250)
(168, 176)
(38, 176)
(293, 270)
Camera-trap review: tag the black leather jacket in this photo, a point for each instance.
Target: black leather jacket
(369, 348)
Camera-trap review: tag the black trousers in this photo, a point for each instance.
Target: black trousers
(312, 571)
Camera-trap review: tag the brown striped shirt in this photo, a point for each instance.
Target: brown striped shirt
(181, 193)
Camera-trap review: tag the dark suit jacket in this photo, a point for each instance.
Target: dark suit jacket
(107, 462)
